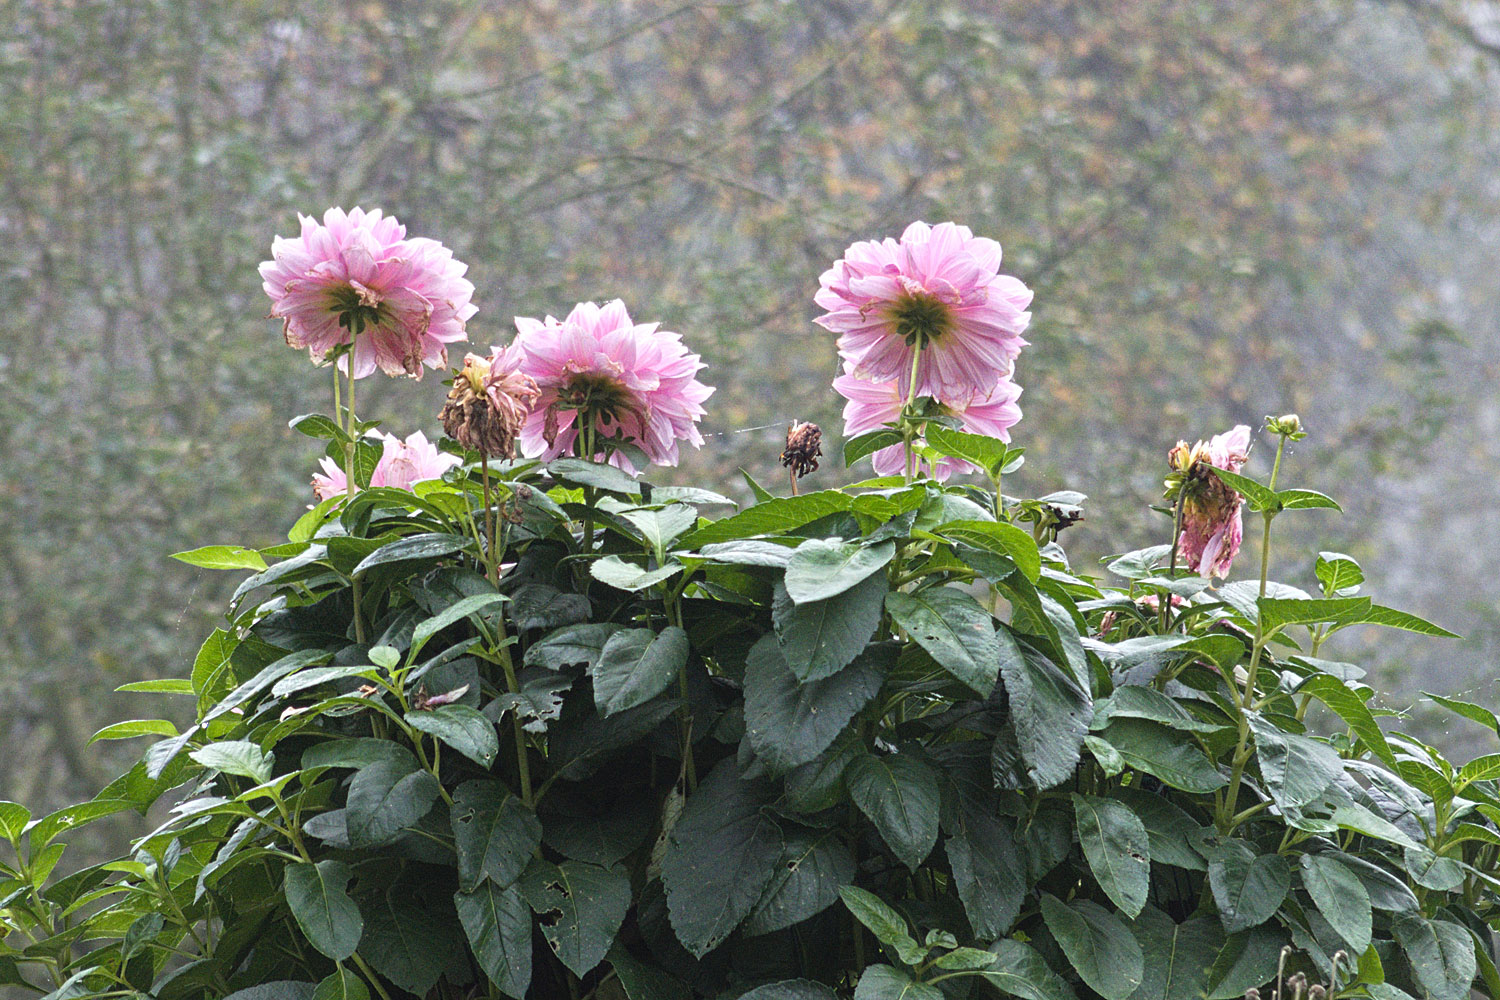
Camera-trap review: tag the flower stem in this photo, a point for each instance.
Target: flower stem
(350, 447)
(523, 764)
(909, 430)
(492, 559)
(1165, 611)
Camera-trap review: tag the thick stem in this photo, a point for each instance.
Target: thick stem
(909, 430)
(1165, 610)
(523, 763)
(492, 559)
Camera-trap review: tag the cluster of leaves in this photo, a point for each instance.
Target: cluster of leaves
(880, 741)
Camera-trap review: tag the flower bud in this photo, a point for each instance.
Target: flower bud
(1288, 425)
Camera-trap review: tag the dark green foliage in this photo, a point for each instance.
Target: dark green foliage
(802, 765)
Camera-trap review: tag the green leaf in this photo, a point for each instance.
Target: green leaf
(955, 629)
(386, 797)
(886, 924)
(1340, 897)
(134, 727)
(771, 517)
(1305, 499)
(342, 984)
(462, 728)
(719, 859)
(787, 989)
(987, 871)
(581, 472)
(1441, 955)
(494, 834)
(161, 685)
(571, 646)
(319, 425)
(821, 568)
(1098, 944)
(989, 453)
(222, 557)
(237, 757)
(356, 753)
(1336, 571)
(1115, 844)
(41, 832)
(1296, 769)
(317, 898)
(1356, 714)
(1247, 959)
(140, 933)
(1470, 711)
(900, 796)
(1277, 613)
(1007, 540)
(580, 906)
(820, 638)
(788, 723)
(1479, 769)
(661, 527)
(749, 552)
(1170, 831)
(636, 665)
(497, 923)
(1260, 497)
(645, 982)
(812, 866)
(1151, 747)
(886, 982)
(1050, 713)
(406, 941)
(1247, 887)
(1433, 871)
(1019, 971)
(13, 819)
(433, 545)
(1182, 955)
(452, 613)
(616, 572)
(1391, 618)
(1353, 816)
(858, 447)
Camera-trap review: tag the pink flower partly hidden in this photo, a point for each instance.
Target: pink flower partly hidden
(401, 464)
(356, 274)
(599, 371)
(872, 405)
(1212, 521)
(938, 291)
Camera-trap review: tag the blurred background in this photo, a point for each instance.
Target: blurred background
(1227, 208)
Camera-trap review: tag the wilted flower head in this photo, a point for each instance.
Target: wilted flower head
(804, 446)
(938, 291)
(489, 401)
(872, 405)
(624, 381)
(356, 274)
(401, 464)
(1212, 522)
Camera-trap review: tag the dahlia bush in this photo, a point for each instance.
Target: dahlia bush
(528, 726)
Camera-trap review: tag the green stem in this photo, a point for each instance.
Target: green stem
(349, 451)
(909, 430)
(370, 975)
(523, 763)
(492, 558)
(1166, 605)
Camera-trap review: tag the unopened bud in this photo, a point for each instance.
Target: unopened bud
(1288, 425)
(1252, 994)
(1317, 992)
(804, 446)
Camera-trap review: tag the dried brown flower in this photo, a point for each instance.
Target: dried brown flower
(488, 405)
(804, 446)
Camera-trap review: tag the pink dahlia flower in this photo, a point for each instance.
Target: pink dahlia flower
(938, 291)
(1212, 520)
(626, 381)
(402, 299)
(873, 405)
(401, 464)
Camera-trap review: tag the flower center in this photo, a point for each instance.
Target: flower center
(920, 318)
(357, 309)
(599, 399)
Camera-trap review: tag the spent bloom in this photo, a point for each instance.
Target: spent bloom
(804, 446)
(938, 291)
(602, 374)
(489, 402)
(401, 464)
(1212, 521)
(872, 405)
(356, 275)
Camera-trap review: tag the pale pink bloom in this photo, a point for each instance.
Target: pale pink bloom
(872, 405)
(405, 299)
(1212, 520)
(627, 381)
(401, 464)
(939, 290)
